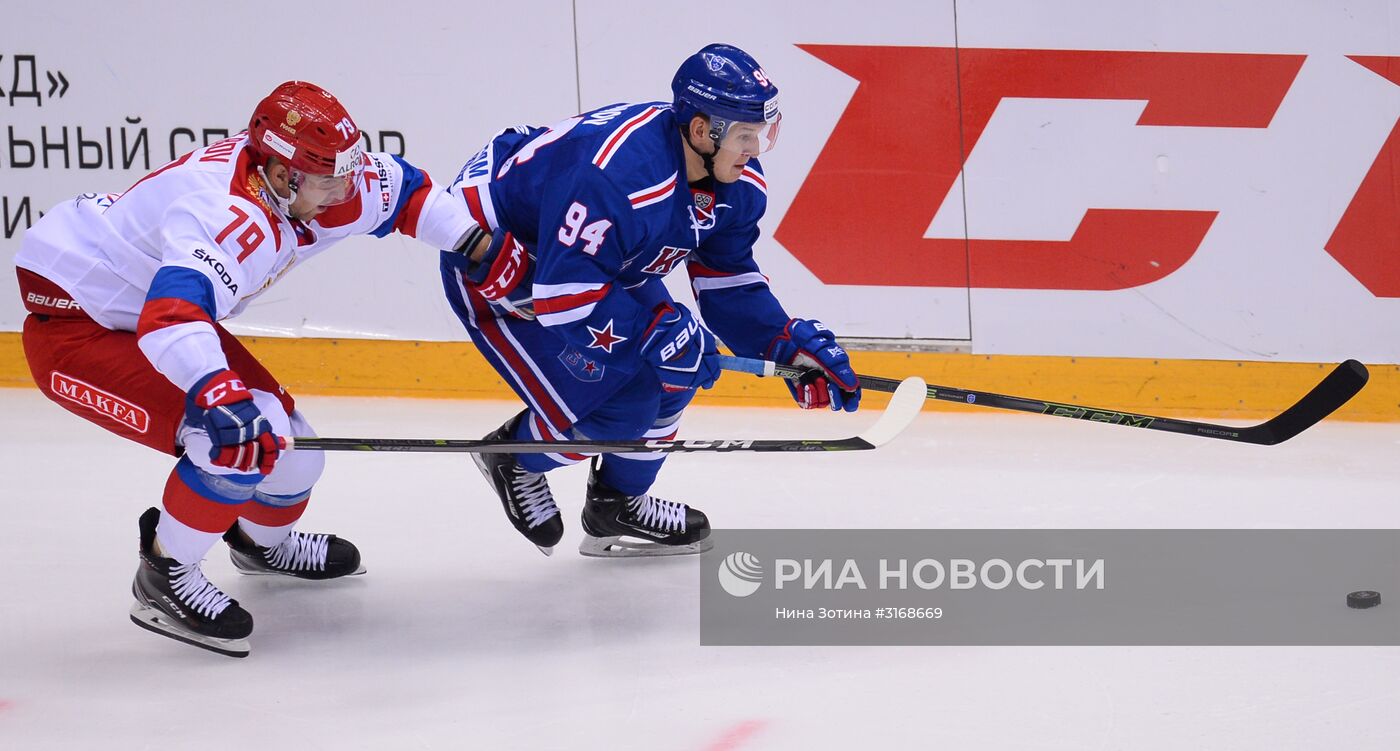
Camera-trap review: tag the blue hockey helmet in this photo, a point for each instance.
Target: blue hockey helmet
(726, 85)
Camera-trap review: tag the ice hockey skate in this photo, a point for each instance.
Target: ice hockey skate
(616, 525)
(524, 495)
(175, 600)
(304, 556)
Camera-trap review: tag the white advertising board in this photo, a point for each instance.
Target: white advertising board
(1127, 178)
(433, 83)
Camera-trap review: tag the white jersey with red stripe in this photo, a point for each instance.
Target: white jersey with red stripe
(602, 204)
(194, 241)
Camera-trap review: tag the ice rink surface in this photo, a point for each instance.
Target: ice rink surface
(462, 635)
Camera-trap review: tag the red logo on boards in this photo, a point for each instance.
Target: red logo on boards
(1366, 241)
(896, 152)
(97, 400)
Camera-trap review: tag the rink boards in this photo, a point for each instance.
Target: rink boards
(1142, 204)
(1204, 388)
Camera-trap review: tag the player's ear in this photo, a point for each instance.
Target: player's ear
(277, 172)
(699, 128)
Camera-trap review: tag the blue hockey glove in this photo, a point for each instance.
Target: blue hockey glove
(242, 438)
(830, 381)
(680, 349)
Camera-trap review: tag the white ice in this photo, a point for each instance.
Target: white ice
(463, 636)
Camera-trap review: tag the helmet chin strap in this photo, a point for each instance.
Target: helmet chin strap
(707, 159)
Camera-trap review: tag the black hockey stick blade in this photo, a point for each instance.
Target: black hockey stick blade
(1344, 382)
(1325, 398)
(904, 406)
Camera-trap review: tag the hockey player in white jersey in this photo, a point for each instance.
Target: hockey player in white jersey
(126, 292)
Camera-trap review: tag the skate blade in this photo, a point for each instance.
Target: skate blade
(627, 547)
(154, 621)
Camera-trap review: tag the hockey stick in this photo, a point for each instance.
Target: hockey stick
(1335, 390)
(904, 406)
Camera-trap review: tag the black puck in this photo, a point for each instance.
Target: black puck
(1365, 598)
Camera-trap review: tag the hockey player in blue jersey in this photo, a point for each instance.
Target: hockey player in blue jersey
(567, 301)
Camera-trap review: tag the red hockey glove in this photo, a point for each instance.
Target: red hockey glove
(505, 264)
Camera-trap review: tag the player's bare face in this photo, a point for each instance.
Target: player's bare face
(740, 145)
(729, 165)
(304, 209)
(316, 193)
(727, 159)
(742, 142)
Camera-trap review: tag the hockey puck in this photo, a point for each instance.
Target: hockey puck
(1362, 599)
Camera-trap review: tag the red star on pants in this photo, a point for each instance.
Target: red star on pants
(604, 339)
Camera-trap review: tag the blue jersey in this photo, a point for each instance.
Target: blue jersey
(601, 203)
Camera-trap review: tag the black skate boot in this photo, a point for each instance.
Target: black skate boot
(301, 555)
(525, 495)
(616, 525)
(175, 600)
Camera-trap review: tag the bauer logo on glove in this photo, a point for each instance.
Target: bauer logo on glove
(683, 337)
(681, 351)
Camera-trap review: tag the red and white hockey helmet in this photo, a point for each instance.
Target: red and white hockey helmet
(309, 130)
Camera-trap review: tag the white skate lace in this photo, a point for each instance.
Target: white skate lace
(189, 584)
(299, 552)
(658, 513)
(535, 500)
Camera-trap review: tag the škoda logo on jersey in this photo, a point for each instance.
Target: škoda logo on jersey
(97, 400)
